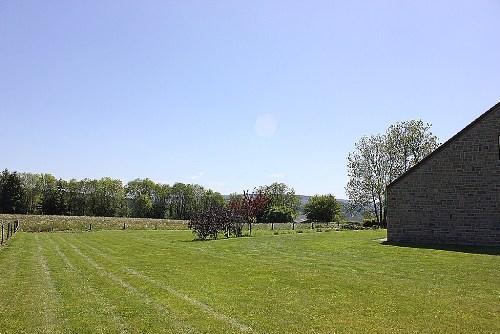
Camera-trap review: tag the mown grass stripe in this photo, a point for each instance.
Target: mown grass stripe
(178, 294)
(180, 326)
(10, 276)
(51, 299)
(89, 292)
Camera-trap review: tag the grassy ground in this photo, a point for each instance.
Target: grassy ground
(50, 223)
(163, 282)
(46, 223)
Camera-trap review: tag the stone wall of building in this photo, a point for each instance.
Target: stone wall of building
(452, 197)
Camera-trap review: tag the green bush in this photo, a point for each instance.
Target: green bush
(279, 215)
(371, 224)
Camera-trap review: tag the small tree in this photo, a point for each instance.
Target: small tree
(322, 208)
(279, 215)
(209, 222)
(249, 207)
(213, 220)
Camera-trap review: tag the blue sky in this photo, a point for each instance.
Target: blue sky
(234, 94)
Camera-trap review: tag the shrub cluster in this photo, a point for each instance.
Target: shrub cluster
(212, 221)
(229, 219)
(373, 224)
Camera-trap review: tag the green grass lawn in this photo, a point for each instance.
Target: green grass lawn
(163, 282)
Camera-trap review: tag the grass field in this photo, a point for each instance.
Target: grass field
(47, 223)
(163, 282)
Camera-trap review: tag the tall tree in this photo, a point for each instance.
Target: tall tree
(75, 198)
(140, 196)
(406, 144)
(32, 185)
(110, 198)
(379, 159)
(161, 199)
(54, 196)
(11, 193)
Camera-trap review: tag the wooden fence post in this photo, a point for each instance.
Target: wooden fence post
(123, 225)
(90, 227)
(1, 243)
(8, 230)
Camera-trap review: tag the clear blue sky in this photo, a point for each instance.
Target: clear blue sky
(234, 94)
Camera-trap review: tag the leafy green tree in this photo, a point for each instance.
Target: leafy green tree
(282, 202)
(212, 199)
(88, 191)
(322, 208)
(281, 195)
(54, 196)
(140, 193)
(11, 193)
(178, 201)
(279, 215)
(75, 198)
(32, 191)
(406, 144)
(379, 159)
(109, 197)
(186, 200)
(161, 198)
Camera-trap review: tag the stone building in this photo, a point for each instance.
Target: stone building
(453, 195)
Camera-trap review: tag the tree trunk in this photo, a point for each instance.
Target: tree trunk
(381, 209)
(375, 208)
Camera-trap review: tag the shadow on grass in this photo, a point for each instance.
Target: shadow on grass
(490, 250)
(218, 239)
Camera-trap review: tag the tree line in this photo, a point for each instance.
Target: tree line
(29, 193)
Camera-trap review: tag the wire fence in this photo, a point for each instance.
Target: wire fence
(8, 230)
